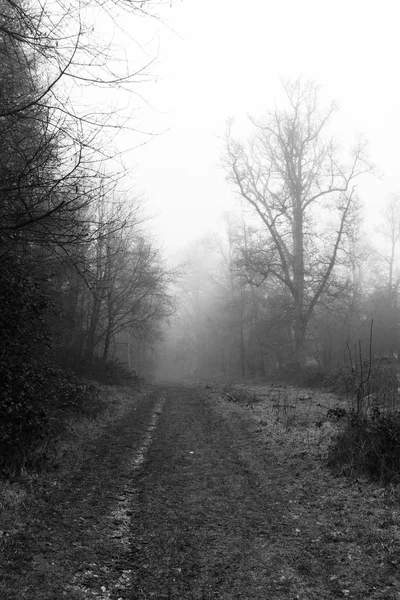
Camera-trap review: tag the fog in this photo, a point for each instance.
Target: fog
(204, 192)
(237, 306)
(202, 189)
(228, 61)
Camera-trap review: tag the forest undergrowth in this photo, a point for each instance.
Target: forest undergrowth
(104, 406)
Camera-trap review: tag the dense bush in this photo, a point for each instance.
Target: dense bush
(35, 402)
(111, 372)
(35, 394)
(375, 379)
(369, 445)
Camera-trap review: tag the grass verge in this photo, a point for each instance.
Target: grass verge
(79, 432)
(348, 526)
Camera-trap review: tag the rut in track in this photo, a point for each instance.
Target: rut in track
(208, 508)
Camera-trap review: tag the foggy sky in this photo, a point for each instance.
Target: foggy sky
(226, 58)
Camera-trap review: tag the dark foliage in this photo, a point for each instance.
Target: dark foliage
(66, 258)
(33, 391)
(336, 413)
(34, 411)
(364, 380)
(111, 372)
(369, 446)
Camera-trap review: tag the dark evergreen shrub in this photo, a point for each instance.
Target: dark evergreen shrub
(369, 445)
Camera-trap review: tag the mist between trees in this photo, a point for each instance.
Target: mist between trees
(84, 290)
(83, 285)
(74, 249)
(292, 285)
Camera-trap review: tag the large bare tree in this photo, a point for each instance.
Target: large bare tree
(302, 191)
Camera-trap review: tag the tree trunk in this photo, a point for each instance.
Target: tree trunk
(300, 350)
(298, 282)
(94, 320)
(242, 341)
(107, 341)
(255, 319)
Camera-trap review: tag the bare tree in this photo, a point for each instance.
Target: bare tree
(293, 178)
(138, 297)
(62, 42)
(53, 143)
(128, 284)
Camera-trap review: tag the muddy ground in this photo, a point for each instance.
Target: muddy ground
(193, 494)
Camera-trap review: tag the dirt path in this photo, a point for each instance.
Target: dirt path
(184, 500)
(71, 542)
(210, 506)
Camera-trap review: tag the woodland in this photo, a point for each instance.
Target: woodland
(225, 424)
(290, 289)
(83, 286)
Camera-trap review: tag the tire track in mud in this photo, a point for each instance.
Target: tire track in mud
(209, 503)
(99, 582)
(73, 539)
(120, 514)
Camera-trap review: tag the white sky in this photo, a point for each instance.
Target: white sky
(227, 58)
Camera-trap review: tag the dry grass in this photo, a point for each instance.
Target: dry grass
(72, 448)
(237, 503)
(54, 521)
(82, 431)
(306, 417)
(349, 522)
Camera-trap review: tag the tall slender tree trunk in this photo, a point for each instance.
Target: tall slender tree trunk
(300, 356)
(242, 338)
(300, 349)
(110, 323)
(107, 342)
(91, 337)
(257, 331)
